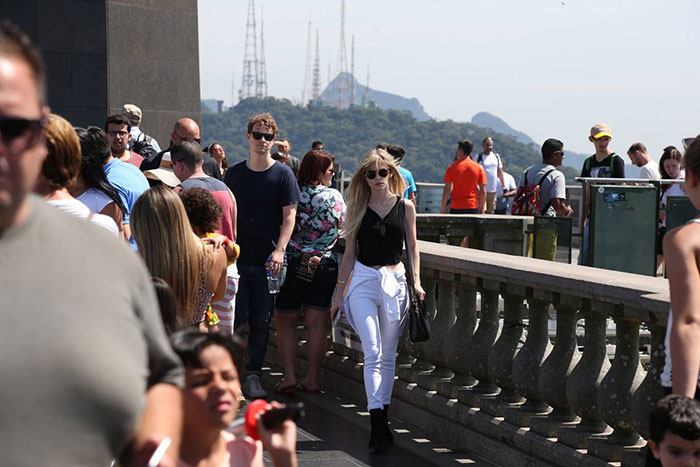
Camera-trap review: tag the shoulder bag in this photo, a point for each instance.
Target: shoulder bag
(418, 320)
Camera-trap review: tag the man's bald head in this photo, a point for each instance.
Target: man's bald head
(185, 128)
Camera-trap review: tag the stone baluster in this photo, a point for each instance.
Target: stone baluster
(422, 365)
(527, 364)
(616, 390)
(439, 330)
(457, 341)
(584, 381)
(556, 369)
(650, 391)
(479, 348)
(504, 351)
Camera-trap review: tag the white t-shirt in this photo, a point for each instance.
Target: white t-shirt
(94, 199)
(491, 164)
(78, 209)
(650, 171)
(501, 202)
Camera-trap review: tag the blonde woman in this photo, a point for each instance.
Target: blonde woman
(172, 251)
(374, 299)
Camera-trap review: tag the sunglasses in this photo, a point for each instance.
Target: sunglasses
(118, 133)
(383, 173)
(268, 136)
(20, 134)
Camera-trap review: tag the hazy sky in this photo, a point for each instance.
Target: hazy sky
(548, 68)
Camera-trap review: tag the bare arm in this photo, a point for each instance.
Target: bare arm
(215, 277)
(445, 195)
(162, 418)
(113, 211)
(412, 248)
(482, 198)
(344, 272)
(289, 214)
(561, 207)
(500, 174)
(681, 252)
(412, 197)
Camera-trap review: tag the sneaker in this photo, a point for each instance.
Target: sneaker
(252, 388)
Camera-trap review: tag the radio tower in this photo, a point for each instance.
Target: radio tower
(316, 84)
(342, 65)
(365, 95)
(352, 72)
(306, 91)
(261, 87)
(250, 56)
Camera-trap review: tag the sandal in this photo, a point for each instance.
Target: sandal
(305, 389)
(287, 389)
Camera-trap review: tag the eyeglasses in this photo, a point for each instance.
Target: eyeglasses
(332, 171)
(559, 152)
(268, 136)
(383, 173)
(120, 133)
(187, 138)
(20, 134)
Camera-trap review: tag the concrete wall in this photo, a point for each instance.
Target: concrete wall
(101, 54)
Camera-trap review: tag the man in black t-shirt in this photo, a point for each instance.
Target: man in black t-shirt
(603, 164)
(267, 195)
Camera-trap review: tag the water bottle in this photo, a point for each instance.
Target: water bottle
(274, 283)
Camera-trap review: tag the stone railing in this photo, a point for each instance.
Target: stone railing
(493, 382)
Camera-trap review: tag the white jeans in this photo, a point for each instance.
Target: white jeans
(379, 338)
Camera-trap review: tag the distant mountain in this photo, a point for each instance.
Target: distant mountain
(383, 100)
(487, 120)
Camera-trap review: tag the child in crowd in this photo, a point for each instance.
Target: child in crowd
(674, 431)
(210, 396)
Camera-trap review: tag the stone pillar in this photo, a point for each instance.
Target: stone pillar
(622, 381)
(422, 364)
(555, 372)
(504, 352)
(439, 330)
(457, 341)
(527, 364)
(584, 381)
(479, 349)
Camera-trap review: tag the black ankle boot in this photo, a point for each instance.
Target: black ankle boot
(378, 438)
(389, 435)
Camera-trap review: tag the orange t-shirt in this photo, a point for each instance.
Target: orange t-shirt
(465, 176)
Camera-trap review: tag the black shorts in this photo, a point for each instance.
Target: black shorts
(464, 211)
(660, 241)
(316, 294)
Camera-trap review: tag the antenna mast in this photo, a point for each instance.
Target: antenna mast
(250, 57)
(261, 88)
(342, 65)
(306, 90)
(316, 85)
(351, 79)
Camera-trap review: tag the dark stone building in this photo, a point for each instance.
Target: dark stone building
(102, 54)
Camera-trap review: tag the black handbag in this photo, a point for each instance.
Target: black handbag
(418, 320)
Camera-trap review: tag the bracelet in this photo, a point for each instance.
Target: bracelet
(342, 282)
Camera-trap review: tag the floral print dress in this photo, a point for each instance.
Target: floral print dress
(320, 215)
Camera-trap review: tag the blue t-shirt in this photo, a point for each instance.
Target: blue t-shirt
(129, 182)
(260, 197)
(408, 178)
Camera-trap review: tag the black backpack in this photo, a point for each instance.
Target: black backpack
(144, 147)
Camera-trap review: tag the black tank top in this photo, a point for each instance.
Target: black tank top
(380, 241)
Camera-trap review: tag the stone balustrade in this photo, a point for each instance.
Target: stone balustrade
(491, 380)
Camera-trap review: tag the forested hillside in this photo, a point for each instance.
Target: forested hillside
(349, 134)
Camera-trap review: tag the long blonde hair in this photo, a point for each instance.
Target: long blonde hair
(359, 190)
(168, 246)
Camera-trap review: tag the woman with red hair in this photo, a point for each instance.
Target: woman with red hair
(312, 270)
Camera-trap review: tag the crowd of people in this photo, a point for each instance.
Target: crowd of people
(137, 322)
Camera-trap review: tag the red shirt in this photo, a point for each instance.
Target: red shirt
(134, 159)
(465, 176)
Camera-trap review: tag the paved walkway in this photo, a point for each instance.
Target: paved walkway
(335, 432)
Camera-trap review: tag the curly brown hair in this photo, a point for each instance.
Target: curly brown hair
(202, 209)
(265, 119)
